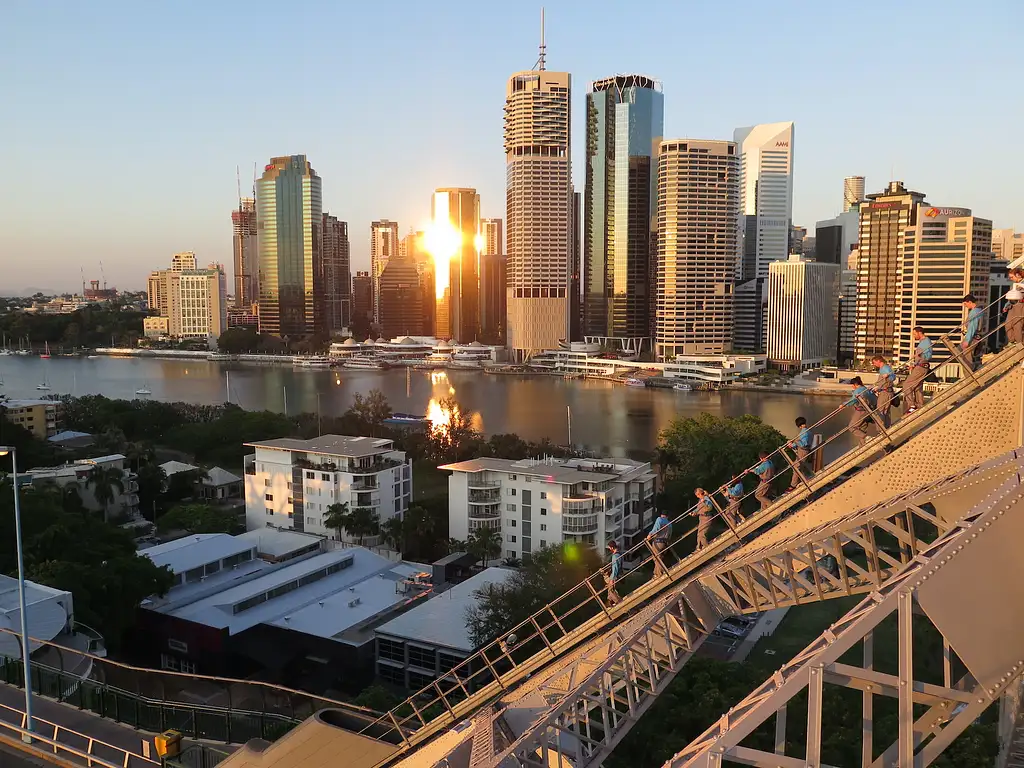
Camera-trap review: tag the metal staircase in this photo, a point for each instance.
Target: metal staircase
(496, 670)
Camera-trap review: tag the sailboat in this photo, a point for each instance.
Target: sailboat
(44, 387)
(143, 390)
(46, 353)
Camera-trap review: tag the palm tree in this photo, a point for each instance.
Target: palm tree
(485, 544)
(393, 531)
(511, 562)
(363, 522)
(337, 517)
(108, 484)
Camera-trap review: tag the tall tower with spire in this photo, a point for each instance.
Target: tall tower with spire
(538, 208)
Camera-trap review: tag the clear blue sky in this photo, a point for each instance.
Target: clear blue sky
(123, 122)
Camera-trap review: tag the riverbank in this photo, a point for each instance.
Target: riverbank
(821, 391)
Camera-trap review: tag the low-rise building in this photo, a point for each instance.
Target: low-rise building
(537, 503)
(291, 483)
(40, 417)
(420, 645)
(80, 475)
(156, 327)
(282, 604)
(803, 313)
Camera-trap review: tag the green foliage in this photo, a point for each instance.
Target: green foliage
(455, 438)
(370, 412)
(392, 531)
(199, 518)
(151, 478)
(221, 442)
(484, 544)
(77, 551)
(359, 521)
(235, 341)
(707, 451)
(107, 484)
(378, 698)
(93, 326)
(550, 572)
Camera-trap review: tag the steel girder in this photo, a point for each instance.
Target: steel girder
(967, 584)
(599, 696)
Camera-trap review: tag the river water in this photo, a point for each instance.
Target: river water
(609, 418)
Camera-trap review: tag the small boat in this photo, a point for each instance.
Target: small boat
(311, 361)
(143, 390)
(365, 364)
(46, 352)
(635, 383)
(407, 420)
(682, 387)
(44, 387)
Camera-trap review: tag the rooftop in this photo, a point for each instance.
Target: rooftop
(568, 471)
(218, 476)
(34, 593)
(68, 435)
(174, 467)
(14, 403)
(331, 445)
(441, 620)
(277, 542)
(198, 549)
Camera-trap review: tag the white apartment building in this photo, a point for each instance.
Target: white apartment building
(803, 313)
(766, 195)
(79, 475)
(538, 503)
(290, 483)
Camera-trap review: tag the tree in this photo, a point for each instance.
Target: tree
(198, 518)
(370, 411)
(453, 438)
(235, 341)
(485, 543)
(393, 532)
(359, 522)
(550, 573)
(107, 484)
(151, 479)
(455, 545)
(337, 517)
(419, 529)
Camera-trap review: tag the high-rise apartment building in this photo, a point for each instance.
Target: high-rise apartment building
(362, 303)
(458, 210)
(492, 281)
(401, 299)
(834, 239)
(193, 300)
(1007, 245)
(575, 269)
(538, 208)
(411, 247)
(883, 219)
(337, 275)
(289, 218)
(803, 308)
(853, 192)
(943, 255)
(698, 182)
(625, 123)
(847, 315)
(246, 255)
(766, 195)
(384, 244)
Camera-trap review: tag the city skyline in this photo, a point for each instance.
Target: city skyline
(168, 211)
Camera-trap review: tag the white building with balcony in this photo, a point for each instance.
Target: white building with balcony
(291, 483)
(538, 503)
(79, 474)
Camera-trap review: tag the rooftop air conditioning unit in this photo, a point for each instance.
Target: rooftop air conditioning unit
(354, 603)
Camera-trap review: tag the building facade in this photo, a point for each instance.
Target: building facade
(493, 266)
(766, 195)
(362, 302)
(696, 246)
(384, 244)
(193, 301)
(401, 299)
(625, 125)
(853, 192)
(538, 209)
(834, 239)
(803, 309)
(946, 254)
(337, 275)
(538, 503)
(457, 210)
(291, 483)
(246, 255)
(289, 220)
(78, 475)
(1007, 245)
(847, 315)
(40, 417)
(883, 219)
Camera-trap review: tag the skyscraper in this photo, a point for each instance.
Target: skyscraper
(289, 218)
(853, 192)
(337, 275)
(401, 299)
(943, 255)
(883, 218)
(538, 207)
(834, 239)
(362, 304)
(697, 246)
(411, 248)
(246, 257)
(492, 282)
(384, 244)
(803, 308)
(625, 122)
(766, 195)
(459, 210)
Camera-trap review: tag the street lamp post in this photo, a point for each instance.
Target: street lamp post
(25, 647)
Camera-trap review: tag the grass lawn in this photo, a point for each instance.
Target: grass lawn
(428, 482)
(802, 625)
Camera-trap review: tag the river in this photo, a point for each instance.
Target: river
(608, 418)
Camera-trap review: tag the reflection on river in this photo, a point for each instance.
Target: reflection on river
(606, 417)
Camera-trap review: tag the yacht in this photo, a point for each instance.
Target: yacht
(681, 387)
(43, 387)
(143, 390)
(311, 361)
(364, 364)
(46, 352)
(635, 383)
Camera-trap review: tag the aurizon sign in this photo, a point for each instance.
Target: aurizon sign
(932, 213)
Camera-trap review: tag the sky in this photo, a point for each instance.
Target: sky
(122, 123)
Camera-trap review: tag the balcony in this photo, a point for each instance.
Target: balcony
(476, 483)
(483, 496)
(578, 505)
(365, 485)
(581, 524)
(485, 513)
(375, 467)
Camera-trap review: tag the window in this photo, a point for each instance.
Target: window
(177, 645)
(543, 494)
(543, 527)
(543, 511)
(511, 491)
(289, 486)
(390, 649)
(267, 482)
(418, 680)
(391, 675)
(269, 511)
(513, 477)
(188, 667)
(421, 657)
(510, 553)
(512, 538)
(510, 507)
(311, 475)
(310, 521)
(511, 522)
(268, 496)
(448, 662)
(324, 476)
(543, 543)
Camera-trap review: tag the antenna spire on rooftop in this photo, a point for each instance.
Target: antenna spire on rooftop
(543, 48)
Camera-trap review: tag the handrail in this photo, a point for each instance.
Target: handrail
(489, 660)
(129, 758)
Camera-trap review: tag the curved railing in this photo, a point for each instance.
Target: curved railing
(577, 613)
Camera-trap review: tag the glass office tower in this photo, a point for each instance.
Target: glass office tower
(625, 122)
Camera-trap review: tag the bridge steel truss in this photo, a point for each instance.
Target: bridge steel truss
(596, 697)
